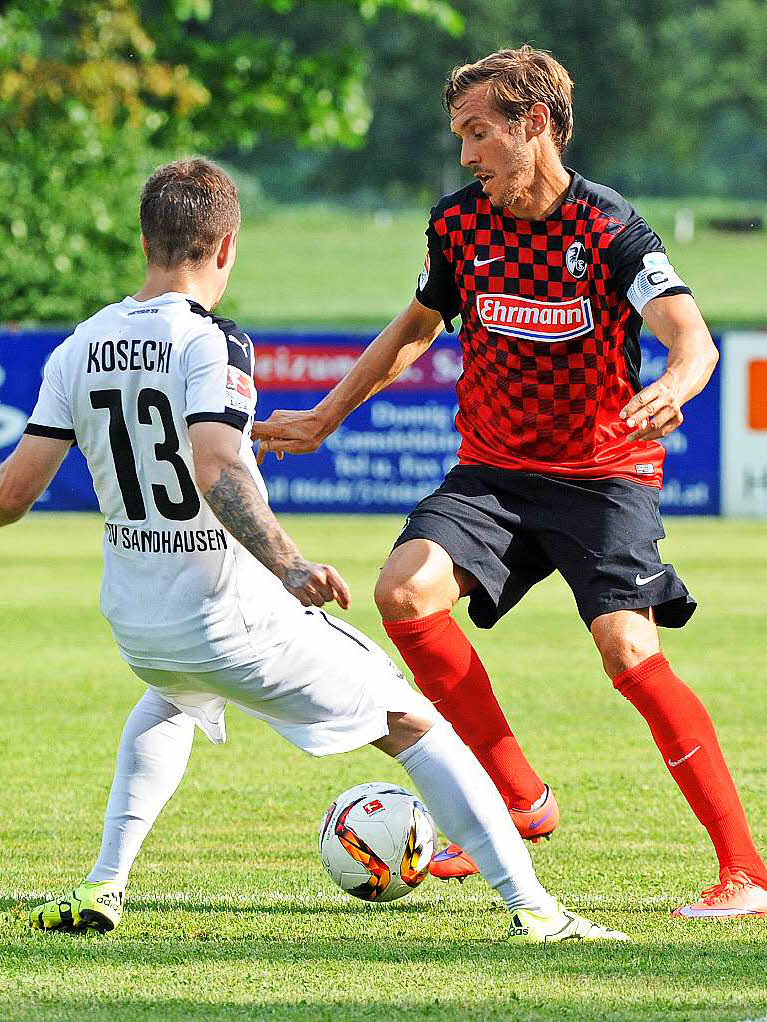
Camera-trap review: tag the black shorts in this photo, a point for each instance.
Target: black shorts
(511, 529)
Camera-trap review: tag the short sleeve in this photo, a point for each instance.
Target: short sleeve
(52, 415)
(639, 266)
(219, 378)
(437, 288)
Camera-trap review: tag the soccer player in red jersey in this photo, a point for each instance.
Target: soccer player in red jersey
(559, 463)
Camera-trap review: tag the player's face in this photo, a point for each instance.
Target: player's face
(496, 150)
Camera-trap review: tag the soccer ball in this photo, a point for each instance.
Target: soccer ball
(376, 841)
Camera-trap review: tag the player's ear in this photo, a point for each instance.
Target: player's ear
(227, 250)
(144, 246)
(537, 120)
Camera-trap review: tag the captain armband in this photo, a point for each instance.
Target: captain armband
(656, 278)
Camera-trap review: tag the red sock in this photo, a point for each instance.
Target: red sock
(683, 732)
(448, 671)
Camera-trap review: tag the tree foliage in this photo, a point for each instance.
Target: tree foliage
(319, 97)
(668, 98)
(75, 80)
(721, 53)
(94, 93)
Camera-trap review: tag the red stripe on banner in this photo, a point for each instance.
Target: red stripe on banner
(315, 367)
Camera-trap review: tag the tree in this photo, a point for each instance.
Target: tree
(95, 93)
(718, 95)
(282, 68)
(77, 82)
(668, 99)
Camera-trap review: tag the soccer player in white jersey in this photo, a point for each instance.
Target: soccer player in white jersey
(209, 599)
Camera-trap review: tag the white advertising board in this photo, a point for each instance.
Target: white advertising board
(744, 424)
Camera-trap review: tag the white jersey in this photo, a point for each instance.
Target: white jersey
(125, 386)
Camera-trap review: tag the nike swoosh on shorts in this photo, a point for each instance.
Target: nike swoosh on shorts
(650, 578)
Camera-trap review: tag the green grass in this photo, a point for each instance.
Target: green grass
(230, 915)
(328, 266)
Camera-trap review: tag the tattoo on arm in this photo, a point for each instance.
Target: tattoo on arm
(236, 502)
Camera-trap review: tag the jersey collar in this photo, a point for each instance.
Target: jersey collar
(164, 299)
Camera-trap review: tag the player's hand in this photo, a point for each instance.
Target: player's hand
(317, 584)
(655, 411)
(294, 432)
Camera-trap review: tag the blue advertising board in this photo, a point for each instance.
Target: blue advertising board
(691, 471)
(22, 358)
(387, 454)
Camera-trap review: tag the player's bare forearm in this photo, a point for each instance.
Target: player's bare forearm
(8, 515)
(236, 502)
(692, 359)
(27, 473)
(393, 351)
(656, 410)
(396, 348)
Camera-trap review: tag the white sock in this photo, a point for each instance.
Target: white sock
(151, 760)
(539, 801)
(469, 809)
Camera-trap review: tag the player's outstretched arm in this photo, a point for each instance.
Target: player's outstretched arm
(395, 349)
(656, 411)
(27, 473)
(227, 485)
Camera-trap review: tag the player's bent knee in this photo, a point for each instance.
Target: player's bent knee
(621, 655)
(403, 592)
(405, 729)
(417, 579)
(408, 599)
(393, 598)
(624, 640)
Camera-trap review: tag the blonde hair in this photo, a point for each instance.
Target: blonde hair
(517, 80)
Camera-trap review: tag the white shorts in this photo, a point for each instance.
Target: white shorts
(327, 688)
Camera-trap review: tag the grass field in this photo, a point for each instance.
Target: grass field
(230, 914)
(329, 266)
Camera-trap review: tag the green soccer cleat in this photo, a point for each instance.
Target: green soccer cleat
(530, 928)
(90, 906)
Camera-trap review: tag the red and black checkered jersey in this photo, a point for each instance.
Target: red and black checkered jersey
(550, 328)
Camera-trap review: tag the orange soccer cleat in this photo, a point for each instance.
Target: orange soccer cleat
(736, 894)
(452, 863)
(534, 824)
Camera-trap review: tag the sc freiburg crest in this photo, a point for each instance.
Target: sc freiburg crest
(575, 260)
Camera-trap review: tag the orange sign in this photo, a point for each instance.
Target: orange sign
(757, 394)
